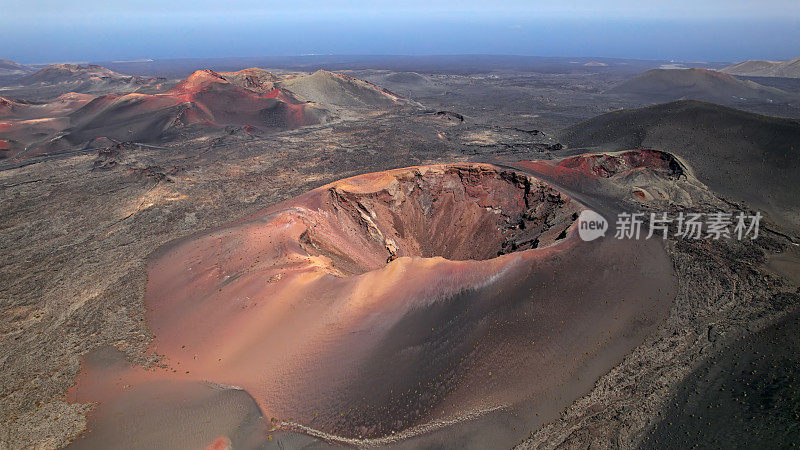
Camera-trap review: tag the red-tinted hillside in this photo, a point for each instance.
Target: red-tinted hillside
(204, 101)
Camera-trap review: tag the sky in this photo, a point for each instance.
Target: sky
(39, 31)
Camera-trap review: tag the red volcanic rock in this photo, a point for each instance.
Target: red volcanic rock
(7, 107)
(376, 304)
(255, 79)
(26, 122)
(605, 165)
(646, 175)
(67, 103)
(141, 412)
(205, 99)
(58, 107)
(19, 134)
(356, 255)
(429, 212)
(608, 165)
(221, 443)
(197, 81)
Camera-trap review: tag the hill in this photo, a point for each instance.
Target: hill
(255, 79)
(22, 110)
(253, 101)
(743, 156)
(205, 100)
(699, 84)
(755, 68)
(23, 123)
(66, 73)
(411, 78)
(57, 79)
(10, 68)
(339, 91)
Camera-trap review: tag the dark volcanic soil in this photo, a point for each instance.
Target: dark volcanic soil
(539, 366)
(746, 157)
(747, 396)
(701, 84)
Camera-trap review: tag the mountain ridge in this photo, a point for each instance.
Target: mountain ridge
(759, 68)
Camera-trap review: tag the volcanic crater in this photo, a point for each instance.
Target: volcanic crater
(458, 212)
(377, 307)
(292, 301)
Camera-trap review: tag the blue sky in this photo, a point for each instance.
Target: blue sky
(93, 30)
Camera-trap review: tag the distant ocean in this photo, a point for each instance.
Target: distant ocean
(130, 38)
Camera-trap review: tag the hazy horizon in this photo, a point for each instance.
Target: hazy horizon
(49, 31)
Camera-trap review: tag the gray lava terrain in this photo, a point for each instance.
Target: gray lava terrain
(77, 228)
